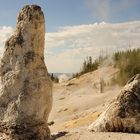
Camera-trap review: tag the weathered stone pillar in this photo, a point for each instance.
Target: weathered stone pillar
(25, 87)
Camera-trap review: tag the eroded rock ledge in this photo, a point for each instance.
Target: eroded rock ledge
(25, 87)
(123, 114)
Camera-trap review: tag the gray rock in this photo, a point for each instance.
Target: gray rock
(123, 114)
(25, 87)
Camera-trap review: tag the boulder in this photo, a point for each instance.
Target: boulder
(25, 86)
(123, 114)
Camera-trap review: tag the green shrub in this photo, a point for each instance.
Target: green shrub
(128, 62)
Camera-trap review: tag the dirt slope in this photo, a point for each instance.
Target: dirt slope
(78, 102)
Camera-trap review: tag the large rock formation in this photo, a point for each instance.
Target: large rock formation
(25, 87)
(123, 115)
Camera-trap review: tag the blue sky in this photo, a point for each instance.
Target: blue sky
(57, 12)
(78, 28)
(61, 13)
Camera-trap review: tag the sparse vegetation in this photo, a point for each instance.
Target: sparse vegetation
(89, 65)
(54, 78)
(128, 62)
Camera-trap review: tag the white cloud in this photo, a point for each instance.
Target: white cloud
(77, 42)
(67, 48)
(5, 32)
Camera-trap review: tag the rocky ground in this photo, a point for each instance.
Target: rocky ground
(78, 102)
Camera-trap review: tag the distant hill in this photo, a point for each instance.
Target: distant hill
(59, 74)
(60, 77)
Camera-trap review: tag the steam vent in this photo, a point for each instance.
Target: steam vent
(25, 87)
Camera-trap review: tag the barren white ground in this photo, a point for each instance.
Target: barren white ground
(78, 102)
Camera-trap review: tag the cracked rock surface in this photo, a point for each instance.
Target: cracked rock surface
(25, 87)
(123, 114)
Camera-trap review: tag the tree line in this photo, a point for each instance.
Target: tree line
(89, 65)
(128, 63)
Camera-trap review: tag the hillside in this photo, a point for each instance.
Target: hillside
(78, 102)
(126, 61)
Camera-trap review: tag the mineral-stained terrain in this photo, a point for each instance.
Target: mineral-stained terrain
(78, 103)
